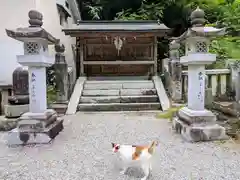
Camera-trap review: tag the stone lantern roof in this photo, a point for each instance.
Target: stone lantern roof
(198, 28)
(34, 31)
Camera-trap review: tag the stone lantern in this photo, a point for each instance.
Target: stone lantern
(40, 125)
(61, 71)
(194, 122)
(176, 71)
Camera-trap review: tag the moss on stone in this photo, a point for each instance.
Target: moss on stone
(169, 113)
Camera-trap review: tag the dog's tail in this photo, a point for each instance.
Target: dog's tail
(152, 147)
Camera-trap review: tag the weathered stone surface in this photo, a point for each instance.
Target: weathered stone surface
(7, 124)
(31, 32)
(12, 111)
(191, 116)
(35, 18)
(111, 96)
(119, 107)
(100, 93)
(100, 99)
(161, 92)
(208, 97)
(229, 108)
(18, 100)
(237, 87)
(60, 108)
(61, 74)
(139, 99)
(137, 92)
(20, 87)
(23, 137)
(199, 132)
(94, 86)
(146, 85)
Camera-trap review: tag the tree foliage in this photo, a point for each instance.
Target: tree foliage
(175, 14)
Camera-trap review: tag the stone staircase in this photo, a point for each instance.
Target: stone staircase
(119, 95)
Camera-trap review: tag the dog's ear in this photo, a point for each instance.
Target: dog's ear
(113, 144)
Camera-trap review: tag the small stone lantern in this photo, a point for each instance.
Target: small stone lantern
(61, 72)
(40, 125)
(194, 122)
(176, 71)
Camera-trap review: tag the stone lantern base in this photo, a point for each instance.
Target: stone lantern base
(36, 128)
(197, 126)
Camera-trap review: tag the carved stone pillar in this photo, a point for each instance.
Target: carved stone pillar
(176, 71)
(61, 71)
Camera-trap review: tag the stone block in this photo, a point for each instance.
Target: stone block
(100, 93)
(119, 107)
(60, 108)
(100, 99)
(137, 92)
(22, 136)
(102, 86)
(146, 85)
(14, 111)
(36, 121)
(229, 108)
(208, 97)
(199, 131)
(192, 116)
(7, 124)
(139, 99)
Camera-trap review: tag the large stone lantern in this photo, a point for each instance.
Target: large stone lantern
(39, 125)
(194, 122)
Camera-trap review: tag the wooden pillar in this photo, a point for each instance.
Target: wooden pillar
(81, 57)
(155, 55)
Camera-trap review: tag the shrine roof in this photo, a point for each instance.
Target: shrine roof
(117, 26)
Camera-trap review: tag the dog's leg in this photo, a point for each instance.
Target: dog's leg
(146, 168)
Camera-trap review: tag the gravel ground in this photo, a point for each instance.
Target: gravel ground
(83, 152)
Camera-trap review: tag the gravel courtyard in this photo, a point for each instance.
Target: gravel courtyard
(83, 152)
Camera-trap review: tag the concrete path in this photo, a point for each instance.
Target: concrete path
(83, 152)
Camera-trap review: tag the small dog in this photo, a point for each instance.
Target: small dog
(133, 154)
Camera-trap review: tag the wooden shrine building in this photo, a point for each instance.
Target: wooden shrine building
(116, 48)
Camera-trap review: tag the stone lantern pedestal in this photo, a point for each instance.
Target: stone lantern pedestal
(40, 125)
(194, 122)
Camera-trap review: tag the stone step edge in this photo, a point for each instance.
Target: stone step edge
(117, 82)
(123, 96)
(99, 89)
(132, 89)
(114, 104)
(125, 112)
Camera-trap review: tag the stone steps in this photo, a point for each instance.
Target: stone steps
(119, 106)
(119, 95)
(112, 86)
(119, 92)
(119, 99)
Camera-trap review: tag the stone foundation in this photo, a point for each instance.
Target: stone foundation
(18, 137)
(36, 128)
(15, 111)
(195, 126)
